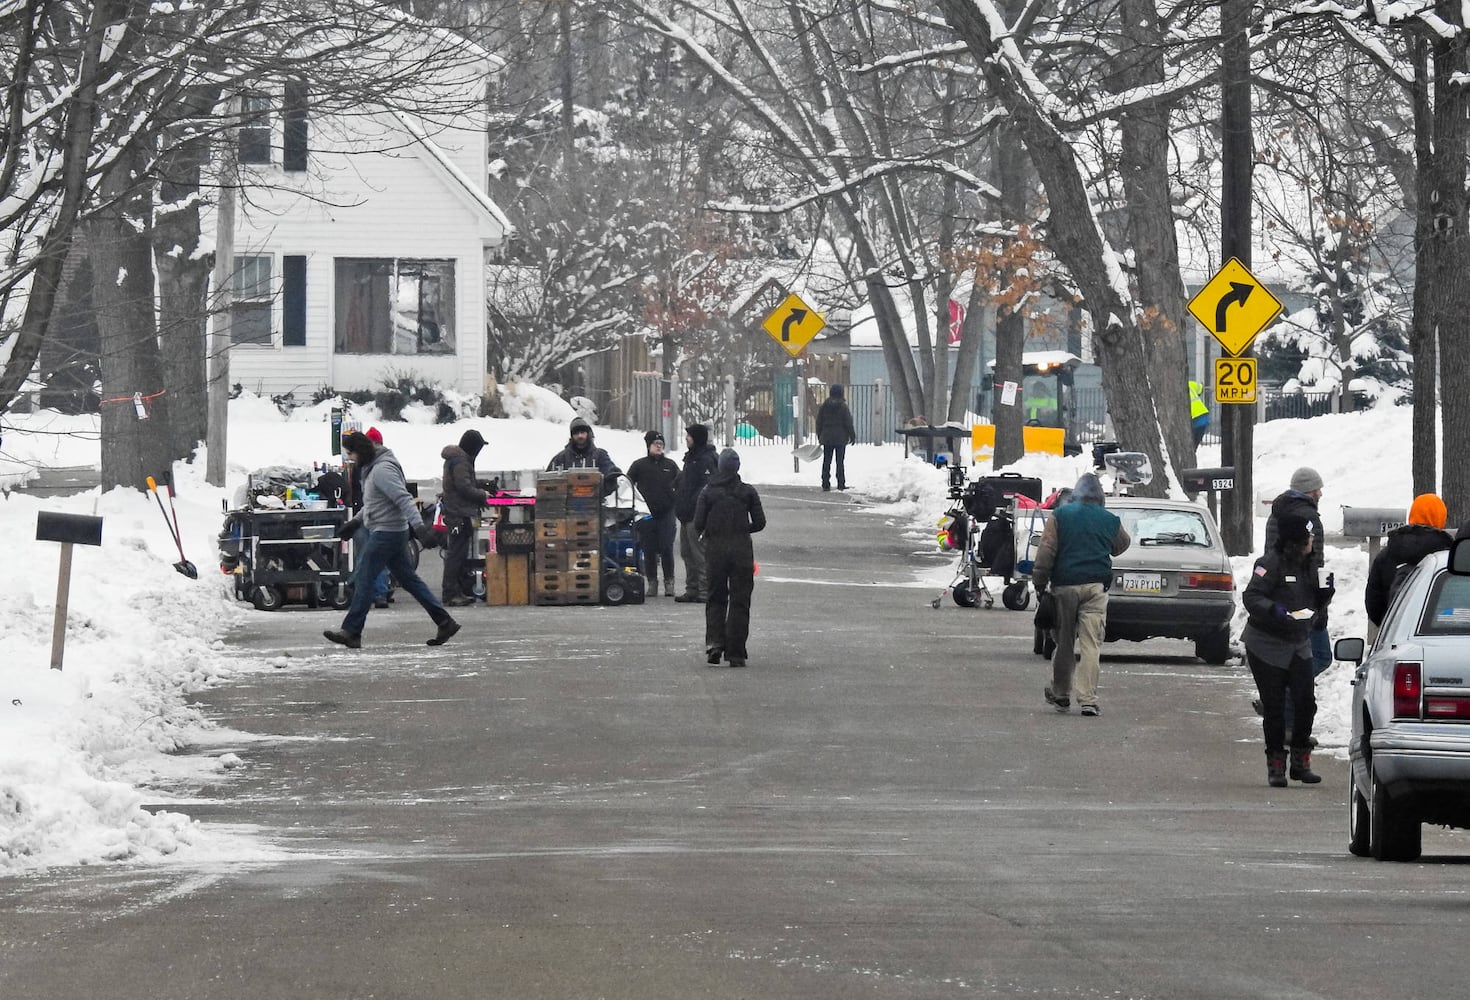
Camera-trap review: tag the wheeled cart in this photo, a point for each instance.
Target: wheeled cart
(281, 557)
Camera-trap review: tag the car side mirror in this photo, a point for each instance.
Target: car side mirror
(1350, 650)
(1460, 557)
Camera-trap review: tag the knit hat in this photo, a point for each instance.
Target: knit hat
(729, 461)
(374, 435)
(838, 390)
(1428, 509)
(1305, 480)
(578, 424)
(651, 437)
(472, 442)
(1291, 529)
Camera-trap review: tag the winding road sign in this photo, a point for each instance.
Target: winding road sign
(793, 324)
(1234, 306)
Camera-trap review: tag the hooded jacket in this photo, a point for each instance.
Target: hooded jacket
(655, 479)
(834, 423)
(462, 494)
(1079, 540)
(1406, 546)
(1301, 505)
(728, 511)
(1282, 578)
(386, 502)
(588, 456)
(700, 464)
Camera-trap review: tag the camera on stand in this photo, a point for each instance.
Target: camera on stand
(956, 482)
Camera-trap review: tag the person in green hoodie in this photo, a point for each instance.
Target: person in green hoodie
(1075, 559)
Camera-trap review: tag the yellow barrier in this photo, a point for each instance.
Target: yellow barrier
(1050, 440)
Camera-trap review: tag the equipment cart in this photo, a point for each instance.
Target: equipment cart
(287, 556)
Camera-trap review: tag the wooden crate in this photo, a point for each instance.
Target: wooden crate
(571, 560)
(508, 579)
(569, 529)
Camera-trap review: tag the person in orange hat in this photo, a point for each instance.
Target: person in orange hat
(1406, 546)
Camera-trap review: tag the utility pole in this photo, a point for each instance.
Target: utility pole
(1237, 421)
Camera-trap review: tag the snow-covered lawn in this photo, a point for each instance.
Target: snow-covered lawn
(78, 745)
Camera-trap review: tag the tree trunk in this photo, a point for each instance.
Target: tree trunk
(1422, 342)
(1144, 162)
(119, 239)
(1010, 343)
(972, 337)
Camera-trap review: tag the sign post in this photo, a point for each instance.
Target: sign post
(69, 530)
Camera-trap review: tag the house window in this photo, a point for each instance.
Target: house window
(293, 129)
(293, 301)
(255, 128)
(395, 306)
(250, 309)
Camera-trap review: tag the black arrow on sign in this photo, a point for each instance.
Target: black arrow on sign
(797, 315)
(1239, 292)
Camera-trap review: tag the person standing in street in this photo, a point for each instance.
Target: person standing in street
(700, 463)
(582, 452)
(727, 513)
(655, 476)
(1405, 546)
(1281, 600)
(1300, 499)
(463, 501)
(388, 513)
(835, 432)
(1199, 413)
(1075, 559)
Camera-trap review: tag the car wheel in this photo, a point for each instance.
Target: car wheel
(1359, 819)
(1214, 648)
(1016, 596)
(267, 598)
(1392, 835)
(963, 595)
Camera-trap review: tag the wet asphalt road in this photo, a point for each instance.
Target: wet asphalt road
(567, 803)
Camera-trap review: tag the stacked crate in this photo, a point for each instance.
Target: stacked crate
(568, 557)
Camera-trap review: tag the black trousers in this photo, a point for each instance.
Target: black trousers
(456, 553)
(731, 567)
(657, 538)
(1275, 686)
(840, 450)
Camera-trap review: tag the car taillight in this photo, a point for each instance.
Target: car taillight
(1406, 690)
(1446, 707)
(1207, 581)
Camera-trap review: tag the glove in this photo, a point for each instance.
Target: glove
(348, 528)
(1325, 593)
(1279, 613)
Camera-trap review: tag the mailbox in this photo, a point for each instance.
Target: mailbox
(1208, 480)
(76, 529)
(1372, 522)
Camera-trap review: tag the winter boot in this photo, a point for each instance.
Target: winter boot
(1276, 769)
(669, 587)
(1301, 768)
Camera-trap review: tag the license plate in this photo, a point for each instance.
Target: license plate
(1143, 583)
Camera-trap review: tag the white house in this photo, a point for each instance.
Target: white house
(361, 240)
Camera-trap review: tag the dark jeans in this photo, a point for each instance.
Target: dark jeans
(656, 535)
(1198, 428)
(388, 550)
(1321, 660)
(1275, 686)
(828, 450)
(727, 612)
(456, 552)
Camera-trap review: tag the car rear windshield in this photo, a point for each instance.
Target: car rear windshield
(1164, 527)
(1448, 609)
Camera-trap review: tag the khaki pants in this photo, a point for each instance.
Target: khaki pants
(1082, 613)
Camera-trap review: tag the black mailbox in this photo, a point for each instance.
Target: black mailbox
(78, 529)
(1207, 480)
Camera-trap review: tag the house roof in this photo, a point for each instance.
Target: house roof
(457, 178)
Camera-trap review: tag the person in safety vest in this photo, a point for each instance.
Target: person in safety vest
(1041, 403)
(1199, 413)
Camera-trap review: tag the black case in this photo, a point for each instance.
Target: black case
(986, 494)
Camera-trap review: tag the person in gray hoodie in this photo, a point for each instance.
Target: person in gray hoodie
(463, 501)
(388, 513)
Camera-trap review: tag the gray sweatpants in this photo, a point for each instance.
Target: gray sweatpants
(691, 550)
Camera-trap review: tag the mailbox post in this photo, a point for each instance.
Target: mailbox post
(69, 530)
(1208, 481)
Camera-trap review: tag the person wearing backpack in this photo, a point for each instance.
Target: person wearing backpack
(727, 513)
(1405, 547)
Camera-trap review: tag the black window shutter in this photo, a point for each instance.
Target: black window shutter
(293, 301)
(293, 155)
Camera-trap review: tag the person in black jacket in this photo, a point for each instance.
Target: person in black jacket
(1405, 547)
(463, 501)
(1281, 600)
(654, 476)
(727, 514)
(700, 463)
(582, 452)
(835, 432)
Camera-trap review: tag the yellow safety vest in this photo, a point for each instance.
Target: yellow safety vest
(1197, 407)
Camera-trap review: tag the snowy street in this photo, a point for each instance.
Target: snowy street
(566, 802)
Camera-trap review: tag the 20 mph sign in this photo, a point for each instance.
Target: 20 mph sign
(1235, 380)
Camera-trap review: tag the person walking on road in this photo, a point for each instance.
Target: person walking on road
(463, 501)
(727, 513)
(1405, 546)
(1075, 559)
(1199, 413)
(388, 513)
(382, 586)
(835, 432)
(655, 476)
(700, 464)
(1281, 600)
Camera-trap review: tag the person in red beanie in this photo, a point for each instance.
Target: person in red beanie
(1406, 546)
(375, 435)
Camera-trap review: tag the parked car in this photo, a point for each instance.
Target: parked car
(1174, 582)
(1410, 746)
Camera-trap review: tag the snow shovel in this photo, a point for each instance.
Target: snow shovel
(808, 452)
(184, 566)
